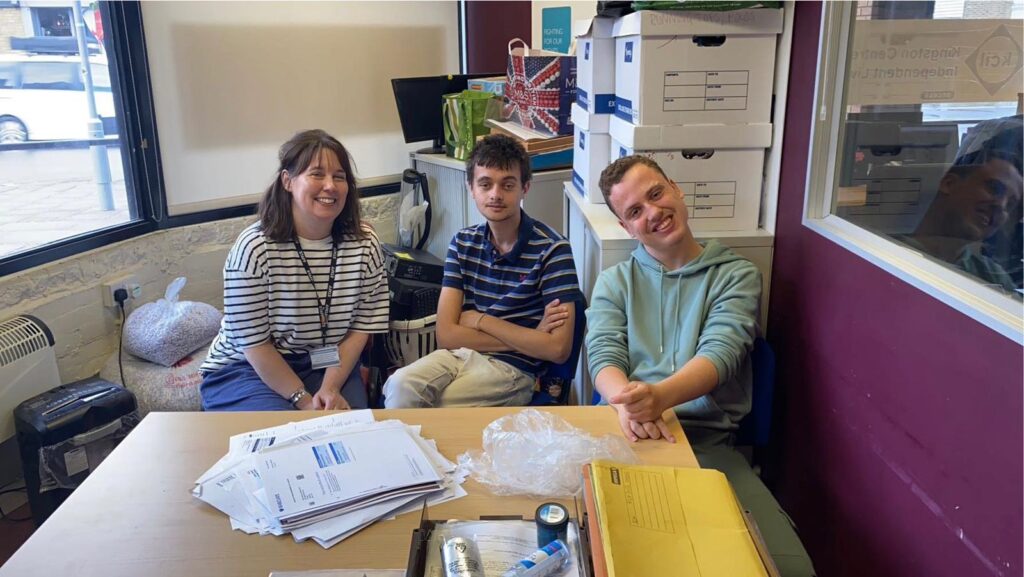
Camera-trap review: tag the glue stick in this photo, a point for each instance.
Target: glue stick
(547, 560)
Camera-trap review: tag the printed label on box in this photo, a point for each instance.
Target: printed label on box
(582, 98)
(624, 109)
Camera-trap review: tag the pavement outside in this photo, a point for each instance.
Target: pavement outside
(51, 194)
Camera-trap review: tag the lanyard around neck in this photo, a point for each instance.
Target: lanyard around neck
(323, 307)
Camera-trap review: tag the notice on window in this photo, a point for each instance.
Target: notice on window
(934, 61)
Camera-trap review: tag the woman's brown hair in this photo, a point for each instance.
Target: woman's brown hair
(275, 208)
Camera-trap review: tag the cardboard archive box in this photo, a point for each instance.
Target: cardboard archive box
(591, 144)
(695, 67)
(595, 65)
(721, 183)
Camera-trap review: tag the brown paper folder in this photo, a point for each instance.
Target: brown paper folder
(600, 566)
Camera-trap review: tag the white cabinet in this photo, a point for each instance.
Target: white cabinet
(453, 209)
(598, 242)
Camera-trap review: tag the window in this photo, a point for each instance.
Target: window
(53, 21)
(916, 152)
(59, 144)
(68, 186)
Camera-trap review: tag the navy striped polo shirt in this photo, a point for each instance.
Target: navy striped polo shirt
(516, 286)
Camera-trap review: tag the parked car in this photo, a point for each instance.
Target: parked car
(42, 97)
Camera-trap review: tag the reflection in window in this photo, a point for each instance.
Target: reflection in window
(932, 133)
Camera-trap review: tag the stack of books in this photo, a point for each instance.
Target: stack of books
(546, 151)
(326, 479)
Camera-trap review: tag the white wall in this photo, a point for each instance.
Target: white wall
(232, 81)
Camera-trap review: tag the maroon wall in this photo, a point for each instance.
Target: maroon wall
(489, 27)
(901, 439)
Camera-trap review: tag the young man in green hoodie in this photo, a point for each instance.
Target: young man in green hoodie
(672, 328)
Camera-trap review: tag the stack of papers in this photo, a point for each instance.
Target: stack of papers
(327, 478)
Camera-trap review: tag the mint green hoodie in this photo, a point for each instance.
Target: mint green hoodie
(649, 322)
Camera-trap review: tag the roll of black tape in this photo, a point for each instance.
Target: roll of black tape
(552, 523)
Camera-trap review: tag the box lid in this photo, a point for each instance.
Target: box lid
(593, 27)
(592, 123)
(758, 21)
(672, 137)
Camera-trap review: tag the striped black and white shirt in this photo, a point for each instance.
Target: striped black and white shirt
(268, 295)
(516, 286)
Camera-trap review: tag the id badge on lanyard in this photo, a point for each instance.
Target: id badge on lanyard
(325, 356)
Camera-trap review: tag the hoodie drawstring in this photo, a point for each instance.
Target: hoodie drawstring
(661, 312)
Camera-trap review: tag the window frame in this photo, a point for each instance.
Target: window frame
(128, 67)
(988, 306)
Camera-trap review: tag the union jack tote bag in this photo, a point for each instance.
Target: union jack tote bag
(541, 88)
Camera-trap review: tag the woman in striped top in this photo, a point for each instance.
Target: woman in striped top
(303, 289)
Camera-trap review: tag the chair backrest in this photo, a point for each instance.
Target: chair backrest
(558, 377)
(755, 428)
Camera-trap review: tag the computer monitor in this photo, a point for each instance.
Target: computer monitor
(419, 105)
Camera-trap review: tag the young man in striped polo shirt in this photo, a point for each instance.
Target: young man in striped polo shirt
(508, 299)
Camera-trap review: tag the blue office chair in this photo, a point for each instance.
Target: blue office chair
(755, 428)
(558, 377)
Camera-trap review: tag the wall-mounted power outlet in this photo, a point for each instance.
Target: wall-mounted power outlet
(129, 283)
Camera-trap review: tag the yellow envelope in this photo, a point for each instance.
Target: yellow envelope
(672, 521)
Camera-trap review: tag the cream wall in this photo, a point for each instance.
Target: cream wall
(67, 295)
(233, 80)
(580, 11)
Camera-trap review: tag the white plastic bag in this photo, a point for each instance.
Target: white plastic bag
(411, 220)
(535, 453)
(165, 331)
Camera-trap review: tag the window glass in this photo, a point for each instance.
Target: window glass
(43, 75)
(931, 133)
(52, 149)
(53, 21)
(8, 75)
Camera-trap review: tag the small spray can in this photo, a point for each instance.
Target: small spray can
(461, 558)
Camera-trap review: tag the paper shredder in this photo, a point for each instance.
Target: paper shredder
(64, 433)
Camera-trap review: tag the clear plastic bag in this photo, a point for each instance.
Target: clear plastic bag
(166, 331)
(66, 464)
(536, 453)
(411, 219)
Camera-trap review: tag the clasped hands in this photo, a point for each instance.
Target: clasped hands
(324, 399)
(640, 407)
(555, 315)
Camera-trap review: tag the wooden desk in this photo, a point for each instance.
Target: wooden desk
(135, 514)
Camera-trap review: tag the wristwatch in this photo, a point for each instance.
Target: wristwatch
(297, 396)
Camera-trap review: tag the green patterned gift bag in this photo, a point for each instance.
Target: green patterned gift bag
(464, 115)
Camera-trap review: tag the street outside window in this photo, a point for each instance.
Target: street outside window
(61, 159)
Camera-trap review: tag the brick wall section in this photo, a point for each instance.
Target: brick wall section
(992, 9)
(67, 294)
(11, 24)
